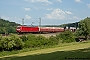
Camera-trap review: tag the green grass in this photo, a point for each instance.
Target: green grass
(67, 51)
(6, 53)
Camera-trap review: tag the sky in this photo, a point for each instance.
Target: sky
(51, 12)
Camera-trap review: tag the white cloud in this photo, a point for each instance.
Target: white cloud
(68, 12)
(59, 0)
(27, 17)
(88, 5)
(56, 14)
(27, 9)
(44, 1)
(79, 1)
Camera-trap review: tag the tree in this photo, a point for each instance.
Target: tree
(84, 28)
(7, 27)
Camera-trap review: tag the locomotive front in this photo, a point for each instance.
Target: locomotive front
(18, 29)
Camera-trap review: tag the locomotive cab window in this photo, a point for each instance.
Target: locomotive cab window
(18, 27)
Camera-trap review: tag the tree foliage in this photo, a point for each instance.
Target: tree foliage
(12, 42)
(84, 28)
(7, 27)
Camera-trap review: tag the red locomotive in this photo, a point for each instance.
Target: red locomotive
(36, 29)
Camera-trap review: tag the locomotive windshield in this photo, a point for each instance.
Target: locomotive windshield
(18, 27)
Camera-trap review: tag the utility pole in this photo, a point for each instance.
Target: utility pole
(39, 22)
(22, 21)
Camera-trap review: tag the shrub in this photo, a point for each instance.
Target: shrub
(7, 43)
(31, 41)
(35, 41)
(53, 40)
(41, 41)
(24, 38)
(19, 44)
(12, 42)
(66, 36)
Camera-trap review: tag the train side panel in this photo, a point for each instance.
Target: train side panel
(26, 29)
(51, 29)
(30, 29)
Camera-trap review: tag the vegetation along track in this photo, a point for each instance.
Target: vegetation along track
(43, 34)
(48, 34)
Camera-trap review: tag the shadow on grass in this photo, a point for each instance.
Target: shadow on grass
(81, 54)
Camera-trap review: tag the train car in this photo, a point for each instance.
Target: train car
(27, 29)
(51, 29)
(73, 29)
(36, 29)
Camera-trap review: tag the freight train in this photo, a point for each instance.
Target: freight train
(37, 29)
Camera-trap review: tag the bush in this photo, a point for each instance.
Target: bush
(66, 36)
(12, 42)
(24, 38)
(7, 43)
(19, 44)
(53, 40)
(35, 41)
(30, 42)
(41, 41)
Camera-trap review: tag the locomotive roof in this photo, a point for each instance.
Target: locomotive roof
(29, 25)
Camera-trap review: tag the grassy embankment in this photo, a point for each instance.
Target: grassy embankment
(61, 52)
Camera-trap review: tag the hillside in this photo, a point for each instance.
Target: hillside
(7, 26)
